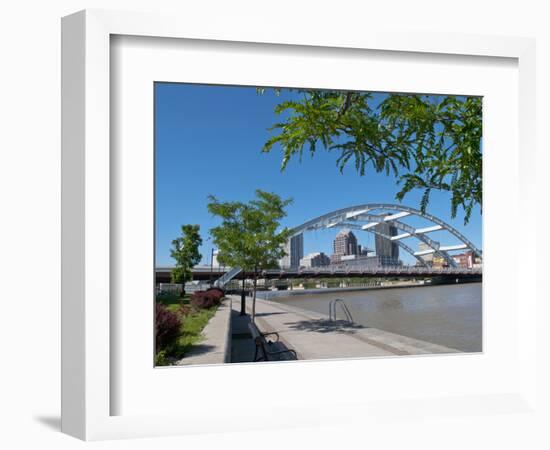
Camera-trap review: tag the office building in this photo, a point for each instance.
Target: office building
(294, 251)
(427, 258)
(318, 259)
(387, 250)
(344, 244)
(465, 260)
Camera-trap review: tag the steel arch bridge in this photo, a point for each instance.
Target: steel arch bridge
(365, 218)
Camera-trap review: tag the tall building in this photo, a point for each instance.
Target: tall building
(387, 250)
(294, 251)
(428, 258)
(317, 259)
(344, 244)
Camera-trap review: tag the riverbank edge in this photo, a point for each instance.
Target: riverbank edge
(397, 344)
(268, 295)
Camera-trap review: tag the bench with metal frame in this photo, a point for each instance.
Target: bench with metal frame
(264, 350)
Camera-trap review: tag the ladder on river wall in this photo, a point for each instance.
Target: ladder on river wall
(332, 310)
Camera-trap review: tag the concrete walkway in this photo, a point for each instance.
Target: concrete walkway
(313, 336)
(215, 348)
(242, 344)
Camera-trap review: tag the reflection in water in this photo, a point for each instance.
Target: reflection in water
(392, 303)
(449, 315)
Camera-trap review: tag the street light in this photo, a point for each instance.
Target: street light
(211, 265)
(243, 299)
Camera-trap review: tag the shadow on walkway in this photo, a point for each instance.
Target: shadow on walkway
(198, 349)
(270, 314)
(242, 344)
(325, 326)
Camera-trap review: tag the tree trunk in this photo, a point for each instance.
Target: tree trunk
(254, 299)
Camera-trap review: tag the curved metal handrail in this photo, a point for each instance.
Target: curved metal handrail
(344, 307)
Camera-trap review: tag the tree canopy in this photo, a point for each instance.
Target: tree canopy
(185, 251)
(249, 235)
(427, 142)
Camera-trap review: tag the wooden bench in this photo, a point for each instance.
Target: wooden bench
(267, 350)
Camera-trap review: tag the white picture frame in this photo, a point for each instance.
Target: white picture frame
(87, 382)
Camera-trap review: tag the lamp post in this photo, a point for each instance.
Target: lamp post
(243, 298)
(211, 265)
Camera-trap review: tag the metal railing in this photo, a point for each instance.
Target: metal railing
(332, 310)
(379, 270)
(227, 277)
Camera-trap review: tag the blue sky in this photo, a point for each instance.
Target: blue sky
(208, 140)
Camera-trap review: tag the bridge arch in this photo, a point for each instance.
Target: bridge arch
(354, 217)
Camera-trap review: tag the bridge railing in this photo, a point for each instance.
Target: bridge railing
(384, 270)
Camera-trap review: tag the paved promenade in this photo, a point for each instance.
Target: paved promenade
(313, 336)
(215, 348)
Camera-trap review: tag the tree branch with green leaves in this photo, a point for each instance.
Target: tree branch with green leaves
(431, 143)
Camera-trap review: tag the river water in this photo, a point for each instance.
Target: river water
(449, 315)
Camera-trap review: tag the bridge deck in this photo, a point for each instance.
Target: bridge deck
(313, 336)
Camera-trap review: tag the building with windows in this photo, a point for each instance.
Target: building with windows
(386, 250)
(294, 252)
(438, 262)
(317, 259)
(344, 244)
(368, 262)
(466, 260)
(427, 258)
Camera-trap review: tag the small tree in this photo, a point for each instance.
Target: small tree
(185, 250)
(248, 236)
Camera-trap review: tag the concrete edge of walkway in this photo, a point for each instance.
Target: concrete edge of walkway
(215, 348)
(228, 332)
(376, 342)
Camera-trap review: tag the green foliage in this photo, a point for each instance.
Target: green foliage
(161, 358)
(190, 334)
(185, 250)
(167, 298)
(427, 142)
(248, 235)
(172, 301)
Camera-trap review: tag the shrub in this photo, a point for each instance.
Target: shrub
(167, 326)
(166, 297)
(161, 359)
(184, 310)
(215, 294)
(206, 299)
(216, 290)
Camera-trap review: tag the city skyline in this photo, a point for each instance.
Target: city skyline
(193, 162)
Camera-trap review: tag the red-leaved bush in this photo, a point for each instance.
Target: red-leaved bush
(216, 291)
(167, 326)
(184, 310)
(206, 299)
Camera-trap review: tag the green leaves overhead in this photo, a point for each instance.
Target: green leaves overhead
(426, 142)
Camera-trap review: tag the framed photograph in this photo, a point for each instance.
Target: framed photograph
(250, 214)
